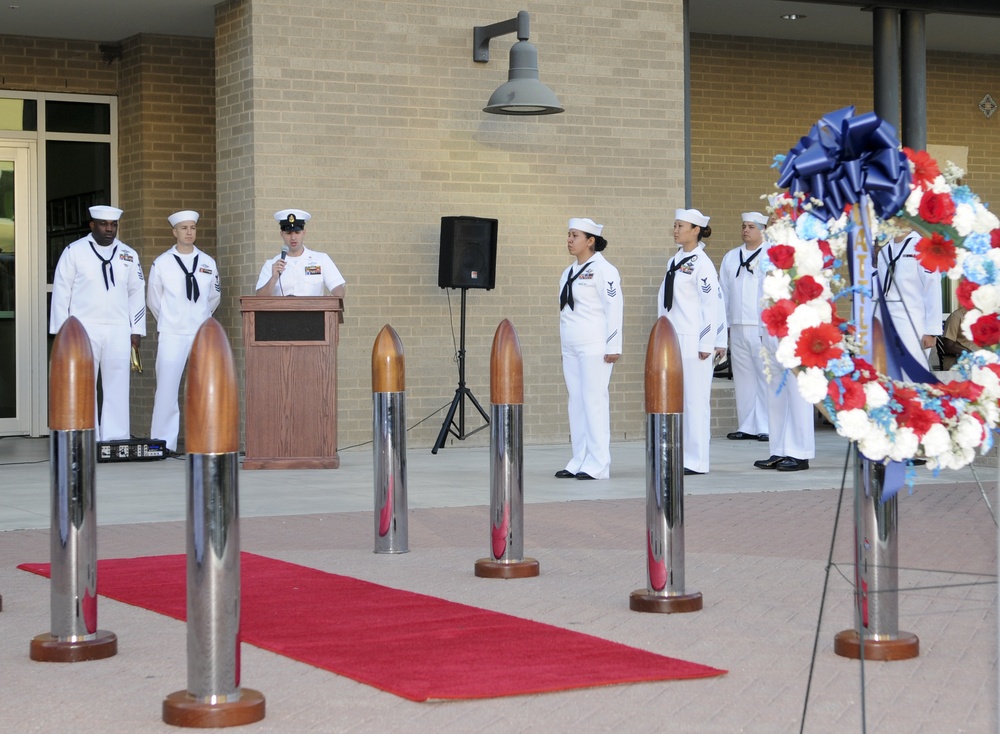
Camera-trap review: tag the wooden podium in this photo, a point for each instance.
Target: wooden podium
(291, 381)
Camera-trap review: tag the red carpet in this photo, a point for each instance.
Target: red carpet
(415, 646)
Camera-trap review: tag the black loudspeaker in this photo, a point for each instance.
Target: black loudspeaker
(468, 253)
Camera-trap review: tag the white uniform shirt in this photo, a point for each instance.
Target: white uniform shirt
(695, 309)
(913, 290)
(78, 287)
(598, 306)
(310, 274)
(168, 301)
(742, 290)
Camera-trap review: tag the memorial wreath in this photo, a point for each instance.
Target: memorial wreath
(850, 186)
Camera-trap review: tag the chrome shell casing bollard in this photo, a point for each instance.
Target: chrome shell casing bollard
(664, 384)
(389, 443)
(213, 697)
(876, 634)
(74, 636)
(506, 559)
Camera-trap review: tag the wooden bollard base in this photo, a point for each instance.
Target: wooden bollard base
(904, 646)
(181, 709)
(641, 600)
(487, 568)
(48, 649)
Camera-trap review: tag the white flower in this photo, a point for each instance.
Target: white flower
(808, 259)
(937, 441)
(986, 298)
(853, 424)
(777, 285)
(812, 384)
(913, 201)
(940, 186)
(904, 444)
(875, 395)
(964, 220)
(969, 433)
(971, 317)
(875, 445)
(801, 318)
(785, 354)
(990, 382)
(986, 221)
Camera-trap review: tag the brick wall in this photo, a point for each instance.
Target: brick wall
(368, 115)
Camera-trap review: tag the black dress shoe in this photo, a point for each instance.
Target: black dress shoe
(919, 462)
(790, 463)
(689, 472)
(584, 475)
(770, 462)
(563, 474)
(763, 437)
(740, 436)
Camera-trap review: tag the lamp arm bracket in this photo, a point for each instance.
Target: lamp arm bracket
(481, 34)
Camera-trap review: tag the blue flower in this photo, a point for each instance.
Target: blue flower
(963, 195)
(810, 227)
(977, 243)
(979, 269)
(842, 366)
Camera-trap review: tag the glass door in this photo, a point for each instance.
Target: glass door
(17, 268)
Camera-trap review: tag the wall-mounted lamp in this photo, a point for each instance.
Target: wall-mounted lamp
(522, 93)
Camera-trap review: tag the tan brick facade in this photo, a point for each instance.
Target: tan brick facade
(369, 116)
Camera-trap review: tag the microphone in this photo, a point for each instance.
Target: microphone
(284, 252)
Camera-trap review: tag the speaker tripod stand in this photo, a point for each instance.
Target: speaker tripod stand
(458, 402)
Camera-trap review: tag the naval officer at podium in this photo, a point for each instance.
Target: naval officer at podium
(298, 271)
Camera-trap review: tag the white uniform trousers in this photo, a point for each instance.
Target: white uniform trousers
(749, 380)
(112, 347)
(790, 416)
(910, 339)
(697, 404)
(587, 377)
(171, 356)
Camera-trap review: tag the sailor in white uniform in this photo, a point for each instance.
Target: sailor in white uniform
(298, 271)
(741, 280)
(790, 416)
(184, 291)
(912, 294)
(590, 330)
(689, 298)
(98, 279)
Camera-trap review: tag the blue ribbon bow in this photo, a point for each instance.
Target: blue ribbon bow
(844, 157)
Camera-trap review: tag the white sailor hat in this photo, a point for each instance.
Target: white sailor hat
(755, 217)
(693, 216)
(292, 219)
(185, 216)
(587, 226)
(105, 213)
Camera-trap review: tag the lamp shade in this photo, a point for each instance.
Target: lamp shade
(522, 93)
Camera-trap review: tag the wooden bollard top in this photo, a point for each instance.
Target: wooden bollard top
(211, 400)
(71, 380)
(879, 361)
(506, 367)
(664, 373)
(388, 363)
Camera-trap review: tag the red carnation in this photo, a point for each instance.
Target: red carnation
(917, 418)
(995, 238)
(964, 293)
(846, 394)
(782, 256)
(806, 289)
(937, 208)
(865, 372)
(963, 389)
(824, 247)
(986, 330)
(925, 168)
(775, 318)
(936, 253)
(818, 345)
